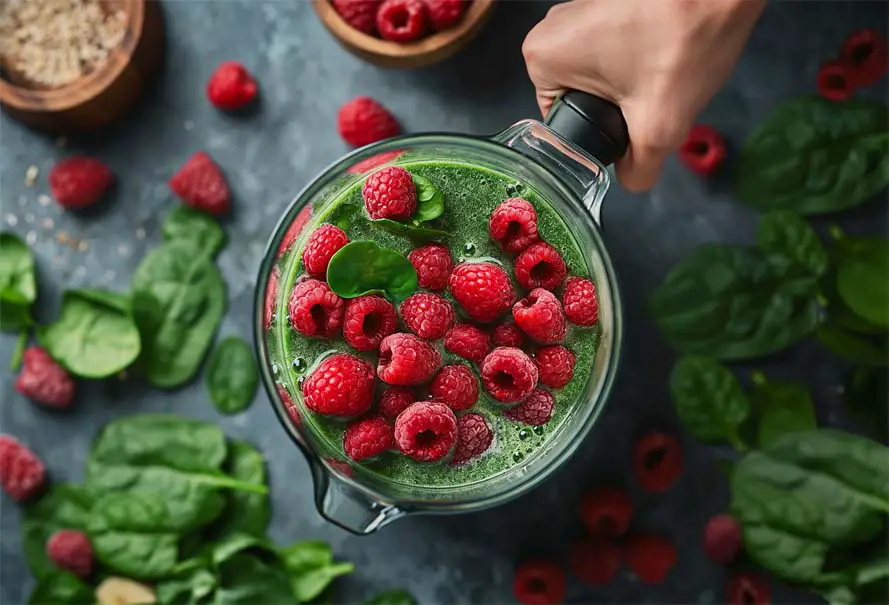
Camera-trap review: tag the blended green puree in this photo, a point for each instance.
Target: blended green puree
(471, 193)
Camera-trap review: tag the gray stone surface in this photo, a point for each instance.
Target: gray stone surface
(304, 76)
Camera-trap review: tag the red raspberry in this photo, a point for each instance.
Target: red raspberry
(323, 243)
(539, 583)
(341, 385)
(363, 121)
(291, 408)
(428, 315)
(79, 182)
(541, 317)
(200, 184)
(595, 562)
(456, 386)
(703, 150)
(508, 335)
(426, 431)
(367, 321)
(43, 380)
(865, 56)
(467, 341)
(722, 539)
(581, 303)
(444, 13)
(394, 401)
(406, 360)
(508, 374)
(834, 83)
(21, 472)
(483, 290)
(555, 366)
(540, 266)
(315, 310)
(650, 557)
(535, 410)
(657, 461)
(606, 511)
(271, 298)
(374, 161)
(390, 193)
(402, 20)
(72, 551)
(474, 437)
(513, 225)
(231, 86)
(295, 229)
(360, 14)
(367, 438)
(433, 264)
(748, 589)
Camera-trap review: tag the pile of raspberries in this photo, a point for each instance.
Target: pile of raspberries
(400, 20)
(425, 409)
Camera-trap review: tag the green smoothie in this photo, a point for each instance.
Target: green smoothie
(471, 193)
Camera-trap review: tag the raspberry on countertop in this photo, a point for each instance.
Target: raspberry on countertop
(44, 381)
(363, 121)
(22, 474)
(78, 182)
(201, 185)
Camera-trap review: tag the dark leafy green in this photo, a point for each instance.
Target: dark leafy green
(709, 400)
(414, 232)
(782, 407)
(18, 285)
(392, 597)
(812, 156)
(863, 277)
(232, 376)
(15, 311)
(195, 227)
(785, 233)
(363, 267)
(247, 580)
(190, 586)
(430, 201)
(61, 588)
(311, 568)
(64, 506)
(860, 349)
(178, 303)
(95, 335)
(244, 511)
(866, 398)
(731, 302)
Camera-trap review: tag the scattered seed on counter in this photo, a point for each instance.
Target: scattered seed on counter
(31, 238)
(32, 171)
(12, 220)
(44, 200)
(48, 223)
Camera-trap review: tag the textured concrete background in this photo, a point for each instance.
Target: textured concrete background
(304, 76)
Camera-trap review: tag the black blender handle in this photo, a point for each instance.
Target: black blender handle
(595, 125)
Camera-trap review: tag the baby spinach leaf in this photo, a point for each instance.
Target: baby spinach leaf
(363, 267)
(806, 493)
(709, 400)
(838, 314)
(178, 303)
(187, 587)
(863, 277)
(392, 597)
(812, 156)
(782, 407)
(247, 580)
(785, 233)
(311, 568)
(232, 376)
(64, 506)
(731, 302)
(94, 336)
(430, 201)
(860, 349)
(232, 544)
(61, 588)
(196, 227)
(866, 399)
(17, 268)
(410, 231)
(15, 311)
(245, 512)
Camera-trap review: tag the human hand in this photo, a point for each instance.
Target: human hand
(661, 61)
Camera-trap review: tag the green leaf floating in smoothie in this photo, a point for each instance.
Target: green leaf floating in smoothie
(363, 267)
(232, 376)
(782, 407)
(430, 201)
(409, 231)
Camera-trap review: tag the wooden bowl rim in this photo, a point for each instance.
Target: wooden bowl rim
(431, 44)
(82, 90)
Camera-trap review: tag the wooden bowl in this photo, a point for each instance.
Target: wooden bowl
(103, 95)
(431, 49)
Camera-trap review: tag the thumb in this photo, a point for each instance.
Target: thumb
(638, 170)
(654, 135)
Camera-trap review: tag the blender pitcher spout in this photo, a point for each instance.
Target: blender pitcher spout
(345, 506)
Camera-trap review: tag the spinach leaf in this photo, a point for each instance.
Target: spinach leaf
(430, 201)
(806, 493)
(15, 311)
(93, 337)
(21, 343)
(178, 303)
(785, 233)
(731, 302)
(837, 313)
(164, 454)
(245, 512)
(64, 506)
(392, 597)
(363, 267)
(709, 400)
(232, 544)
(135, 534)
(61, 588)
(311, 568)
(782, 407)
(198, 228)
(247, 580)
(863, 277)
(866, 399)
(410, 231)
(17, 268)
(232, 376)
(859, 349)
(812, 156)
(187, 587)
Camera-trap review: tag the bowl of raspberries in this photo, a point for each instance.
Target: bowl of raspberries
(403, 33)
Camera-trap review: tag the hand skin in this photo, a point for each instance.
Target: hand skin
(660, 60)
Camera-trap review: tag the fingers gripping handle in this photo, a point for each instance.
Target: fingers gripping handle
(595, 125)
